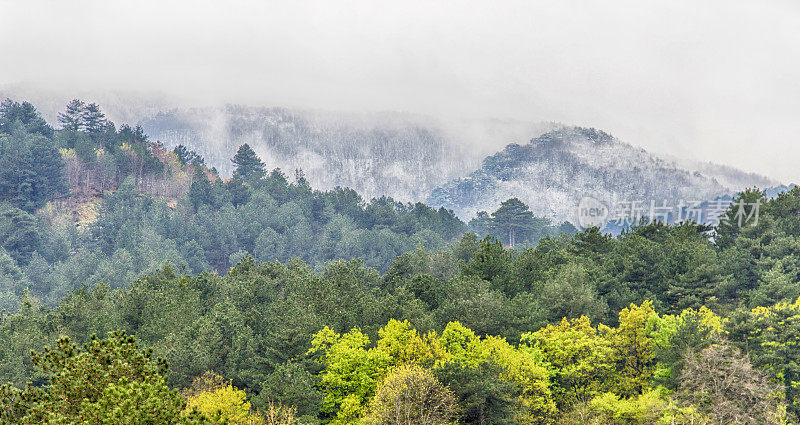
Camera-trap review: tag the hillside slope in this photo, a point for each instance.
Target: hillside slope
(393, 154)
(555, 170)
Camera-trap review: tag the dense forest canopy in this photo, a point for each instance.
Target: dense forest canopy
(261, 300)
(138, 204)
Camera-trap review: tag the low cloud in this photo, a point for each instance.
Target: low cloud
(713, 80)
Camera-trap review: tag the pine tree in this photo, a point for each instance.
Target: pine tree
(31, 171)
(514, 219)
(248, 166)
(239, 193)
(94, 121)
(13, 114)
(72, 117)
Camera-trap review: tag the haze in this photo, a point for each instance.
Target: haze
(711, 80)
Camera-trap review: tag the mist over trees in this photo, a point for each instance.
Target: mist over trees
(138, 204)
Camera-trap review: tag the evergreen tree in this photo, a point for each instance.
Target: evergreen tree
(182, 152)
(485, 399)
(104, 382)
(300, 179)
(72, 118)
(514, 220)
(94, 121)
(31, 171)
(15, 114)
(248, 165)
(729, 225)
(239, 193)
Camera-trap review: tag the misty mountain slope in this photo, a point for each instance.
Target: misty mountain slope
(400, 155)
(726, 175)
(555, 170)
(382, 155)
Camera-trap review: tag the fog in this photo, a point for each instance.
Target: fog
(710, 80)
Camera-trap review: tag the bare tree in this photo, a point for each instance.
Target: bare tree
(722, 383)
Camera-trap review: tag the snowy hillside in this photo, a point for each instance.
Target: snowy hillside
(555, 170)
(382, 155)
(467, 165)
(400, 155)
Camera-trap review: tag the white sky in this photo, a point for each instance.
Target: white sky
(711, 79)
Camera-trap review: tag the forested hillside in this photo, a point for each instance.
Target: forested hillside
(138, 205)
(138, 286)
(632, 329)
(389, 154)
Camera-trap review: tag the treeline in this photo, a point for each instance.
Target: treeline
(634, 329)
(139, 205)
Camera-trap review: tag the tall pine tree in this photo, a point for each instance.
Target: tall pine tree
(513, 219)
(94, 120)
(72, 117)
(248, 165)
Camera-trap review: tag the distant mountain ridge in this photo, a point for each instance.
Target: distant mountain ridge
(466, 165)
(385, 155)
(554, 171)
(401, 155)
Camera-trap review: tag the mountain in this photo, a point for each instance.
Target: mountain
(379, 154)
(460, 164)
(726, 175)
(554, 171)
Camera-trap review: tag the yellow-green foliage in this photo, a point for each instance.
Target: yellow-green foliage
(460, 344)
(352, 370)
(578, 355)
(525, 369)
(772, 334)
(667, 325)
(584, 360)
(411, 395)
(222, 404)
(570, 372)
(633, 349)
(404, 344)
(221, 401)
(651, 407)
(775, 310)
(705, 322)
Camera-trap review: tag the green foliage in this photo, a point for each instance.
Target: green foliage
(634, 349)
(483, 398)
(31, 168)
(352, 369)
(217, 399)
(513, 223)
(72, 118)
(674, 335)
(94, 121)
(351, 373)
(651, 407)
(248, 166)
(580, 358)
(109, 381)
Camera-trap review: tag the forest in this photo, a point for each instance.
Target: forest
(90, 203)
(139, 286)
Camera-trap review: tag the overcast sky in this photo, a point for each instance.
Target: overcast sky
(709, 80)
